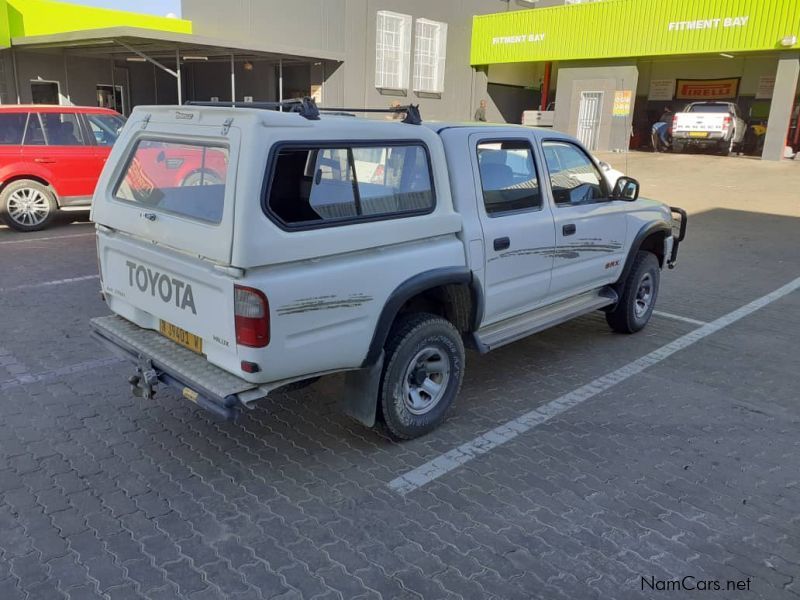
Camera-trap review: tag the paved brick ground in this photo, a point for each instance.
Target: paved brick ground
(690, 468)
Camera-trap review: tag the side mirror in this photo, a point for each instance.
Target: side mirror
(626, 188)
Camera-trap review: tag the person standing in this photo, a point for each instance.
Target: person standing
(480, 113)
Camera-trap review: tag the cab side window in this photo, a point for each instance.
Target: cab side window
(105, 128)
(574, 178)
(34, 134)
(62, 129)
(11, 127)
(322, 186)
(508, 177)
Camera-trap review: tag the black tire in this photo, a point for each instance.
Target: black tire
(27, 205)
(628, 315)
(417, 341)
(678, 147)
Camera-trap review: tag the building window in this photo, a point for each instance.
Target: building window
(430, 52)
(392, 50)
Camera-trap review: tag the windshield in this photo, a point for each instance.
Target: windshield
(708, 108)
(105, 128)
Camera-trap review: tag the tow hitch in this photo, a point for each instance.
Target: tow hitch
(143, 384)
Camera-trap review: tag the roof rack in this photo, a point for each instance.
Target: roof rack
(307, 107)
(412, 116)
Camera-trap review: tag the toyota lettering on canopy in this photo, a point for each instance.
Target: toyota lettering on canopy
(707, 89)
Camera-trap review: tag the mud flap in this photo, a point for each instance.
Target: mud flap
(361, 388)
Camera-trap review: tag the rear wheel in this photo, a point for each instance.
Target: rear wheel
(678, 147)
(639, 294)
(27, 205)
(424, 367)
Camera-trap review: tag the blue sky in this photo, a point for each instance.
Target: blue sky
(153, 7)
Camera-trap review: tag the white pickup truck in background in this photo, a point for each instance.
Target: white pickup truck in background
(714, 125)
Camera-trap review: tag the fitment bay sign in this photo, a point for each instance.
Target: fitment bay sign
(530, 38)
(701, 24)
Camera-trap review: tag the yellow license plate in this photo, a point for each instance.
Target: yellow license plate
(698, 134)
(181, 336)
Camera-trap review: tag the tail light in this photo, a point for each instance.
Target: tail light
(675, 122)
(727, 123)
(251, 314)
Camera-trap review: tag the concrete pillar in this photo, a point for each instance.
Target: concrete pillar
(780, 112)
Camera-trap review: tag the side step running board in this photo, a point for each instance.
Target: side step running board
(510, 330)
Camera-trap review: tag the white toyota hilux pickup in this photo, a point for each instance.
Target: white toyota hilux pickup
(245, 249)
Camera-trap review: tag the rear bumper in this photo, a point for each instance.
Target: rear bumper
(714, 137)
(159, 360)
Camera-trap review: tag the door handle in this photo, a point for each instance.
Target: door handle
(569, 229)
(502, 243)
(43, 160)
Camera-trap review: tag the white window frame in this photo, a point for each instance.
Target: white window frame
(430, 56)
(392, 50)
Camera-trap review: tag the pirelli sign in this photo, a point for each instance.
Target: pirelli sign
(707, 89)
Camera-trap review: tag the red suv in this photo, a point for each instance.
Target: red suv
(50, 158)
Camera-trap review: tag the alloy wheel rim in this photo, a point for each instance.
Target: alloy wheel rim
(28, 206)
(426, 380)
(644, 296)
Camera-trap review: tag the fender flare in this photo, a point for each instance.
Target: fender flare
(645, 232)
(413, 286)
(362, 386)
(20, 170)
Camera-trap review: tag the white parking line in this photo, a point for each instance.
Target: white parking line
(29, 286)
(667, 315)
(444, 463)
(45, 239)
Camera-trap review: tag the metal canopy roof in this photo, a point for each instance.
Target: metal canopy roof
(116, 41)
